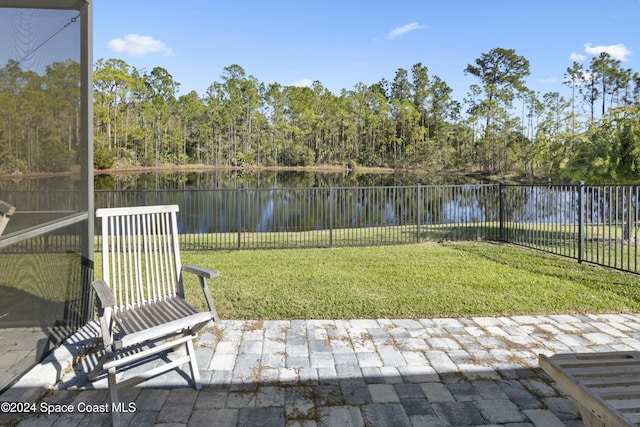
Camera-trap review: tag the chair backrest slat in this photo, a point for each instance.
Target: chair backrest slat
(140, 253)
(137, 259)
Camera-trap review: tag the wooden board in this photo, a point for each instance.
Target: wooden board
(604, 386)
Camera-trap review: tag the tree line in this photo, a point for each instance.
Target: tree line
(39, 118)
(500, 127)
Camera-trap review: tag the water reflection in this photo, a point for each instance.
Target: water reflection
(214, 179)
(266, 179)
(304, 209)
(288, 201)
(266, 216)
(53, 182)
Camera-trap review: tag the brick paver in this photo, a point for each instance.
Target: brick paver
(424, 372)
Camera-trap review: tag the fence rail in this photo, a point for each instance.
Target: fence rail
(324, 217)
(591, 223)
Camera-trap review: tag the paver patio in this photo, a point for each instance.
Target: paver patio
(424, 372)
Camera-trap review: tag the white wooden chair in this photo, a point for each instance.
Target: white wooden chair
(6, 210)
(143, 312)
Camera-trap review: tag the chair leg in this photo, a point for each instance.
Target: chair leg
(98, 368)
(193, 365)
(113, 392)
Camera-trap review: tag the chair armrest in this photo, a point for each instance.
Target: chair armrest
(204, 274)
(106, 302)
(104, 294)
(200, 271)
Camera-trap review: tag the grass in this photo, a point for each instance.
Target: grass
(50, 276)
(408, 281)
(338, 237)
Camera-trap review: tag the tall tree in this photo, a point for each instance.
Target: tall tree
(502, 73)
(241, 101)
(574, 78)
(554, 134)
(420, 83)
(193, 123)
(162, 92)
(403, 112)
(111, 81)
(605, 69)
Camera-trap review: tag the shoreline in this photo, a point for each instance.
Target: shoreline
(134, 170)
(208, 168)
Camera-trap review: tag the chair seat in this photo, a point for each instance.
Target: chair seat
(148, 315)
(157, 319)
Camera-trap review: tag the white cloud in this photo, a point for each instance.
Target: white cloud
(397, 32)
(579, 80)
(577, 57)
(302, 83)
(549, 80)
(617, 51)
(135, 44)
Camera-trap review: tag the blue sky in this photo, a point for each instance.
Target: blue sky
(342, 43)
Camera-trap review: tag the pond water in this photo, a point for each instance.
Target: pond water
(60, 194)
(224, 179)
(223, 201)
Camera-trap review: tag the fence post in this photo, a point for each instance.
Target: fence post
(580, 221)
(330, 217)
(628, 218)
(501, 212)
(418, 211)
(238, 216)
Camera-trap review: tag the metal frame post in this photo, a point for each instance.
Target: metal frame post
(239, 217)
(581, 221)
(418, 212)
(330, 217)
(501, 211)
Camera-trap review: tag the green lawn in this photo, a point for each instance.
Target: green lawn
(407, 281)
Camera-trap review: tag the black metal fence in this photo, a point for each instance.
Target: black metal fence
(592, 223)
(595, 223)
(324, 217)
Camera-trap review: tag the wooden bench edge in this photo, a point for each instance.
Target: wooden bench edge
(594, 410)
